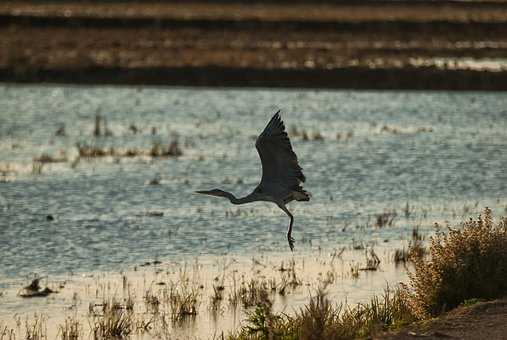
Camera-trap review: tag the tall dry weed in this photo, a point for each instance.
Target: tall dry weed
(320, 319)
(465, 263)
(114, 321)
(71, 329)
(36, 328)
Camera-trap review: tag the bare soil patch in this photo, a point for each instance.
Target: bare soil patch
(483, 320)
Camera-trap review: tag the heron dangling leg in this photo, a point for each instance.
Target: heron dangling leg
(289, 231)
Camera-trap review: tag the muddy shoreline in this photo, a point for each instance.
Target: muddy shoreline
(460, 46)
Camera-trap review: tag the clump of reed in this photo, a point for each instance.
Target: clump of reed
(6, 172)
(289, 274)
(36, 329)
(354, 271)
(114, 320)
(416, 249)
(401, 255)
(152, 302)
(218, 294)
(254, 292)
(46, 158)
(317, 136)
(70, 330)
(319, 319)
(250, 293)
(294, 132)
(344, 136)
(89, 151)
(60, 132)
(98, 130)
(7, 333)
(385, 219)
(183, 301)
(173, 149)
(37, 168)
(466, 263)
(372, 261)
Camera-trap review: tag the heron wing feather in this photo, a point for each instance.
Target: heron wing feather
(279, 162)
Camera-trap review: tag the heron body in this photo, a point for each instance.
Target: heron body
(282, 177)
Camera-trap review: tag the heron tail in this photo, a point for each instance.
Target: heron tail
(302, 195)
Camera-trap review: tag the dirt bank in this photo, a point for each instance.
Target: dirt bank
(483, 320)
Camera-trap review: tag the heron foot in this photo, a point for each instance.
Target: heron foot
(291, 242)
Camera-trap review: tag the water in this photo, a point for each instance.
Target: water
(444, 153)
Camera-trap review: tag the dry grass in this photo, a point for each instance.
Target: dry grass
(115, 320)
(183, 302)
(321, 320)
(354, 271)
(385, 219)
(7, 333)
(37, 168)
(36, 328)
(98, 130)
(401, 256)
(317, 136)
(70, 330)
(173, 149)
(289, 275)
(254, 292)
(416, 249)
(233, 298)
(218, 294)
(294, 132)
(152, 302)
(46, 158)
(372, 261)
(466, 263)
(94, 151)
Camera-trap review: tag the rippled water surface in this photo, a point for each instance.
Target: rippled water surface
(444, 154)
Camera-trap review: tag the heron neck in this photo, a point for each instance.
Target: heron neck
(241, 200)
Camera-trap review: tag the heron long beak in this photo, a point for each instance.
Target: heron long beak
(206, 192)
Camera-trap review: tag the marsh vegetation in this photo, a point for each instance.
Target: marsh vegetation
(464, 264)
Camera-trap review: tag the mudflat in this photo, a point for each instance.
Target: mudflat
(404, 45)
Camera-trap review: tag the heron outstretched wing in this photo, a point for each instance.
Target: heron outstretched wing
(279, 162)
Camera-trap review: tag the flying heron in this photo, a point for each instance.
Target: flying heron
(282, 177)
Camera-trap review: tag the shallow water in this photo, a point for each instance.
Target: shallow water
(442, 153)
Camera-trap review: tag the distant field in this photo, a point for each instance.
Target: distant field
(437, 45)
(306, 12)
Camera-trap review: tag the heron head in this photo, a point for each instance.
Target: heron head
(213, 192)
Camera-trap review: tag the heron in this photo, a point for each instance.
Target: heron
(282, 177)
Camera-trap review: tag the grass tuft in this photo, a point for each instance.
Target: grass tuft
(36, 329)
(70, 330)
(7, 333)
(183, 302)
(322, 320)
(401, 256)
(115, 320)
(466, 263)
